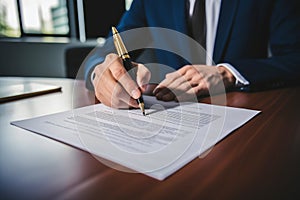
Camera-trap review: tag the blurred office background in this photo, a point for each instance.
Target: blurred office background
(43, 37)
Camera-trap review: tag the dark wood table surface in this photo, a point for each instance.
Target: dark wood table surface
(260, 160)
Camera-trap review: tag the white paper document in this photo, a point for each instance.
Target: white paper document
(158, 144)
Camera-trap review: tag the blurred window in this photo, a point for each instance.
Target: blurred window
(9, 19)
(34, 17)
(44, 17)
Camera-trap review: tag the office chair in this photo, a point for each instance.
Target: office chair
(74, 56)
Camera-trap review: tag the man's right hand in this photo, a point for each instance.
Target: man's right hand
(113, 85)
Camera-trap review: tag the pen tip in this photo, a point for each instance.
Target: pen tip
(142, 107)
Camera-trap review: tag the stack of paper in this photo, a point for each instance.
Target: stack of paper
(158, 144)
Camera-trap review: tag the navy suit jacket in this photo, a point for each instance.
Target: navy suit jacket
(260, 38)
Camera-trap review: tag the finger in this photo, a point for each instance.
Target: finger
(187, 68)
(118, 99)
(120, 74)
(190, 72)
(101, 93)
(164, 93)
(109, 92)
(177, 87)
(183, 70)
(121, 97)
(101, 71)
(170, 96)
(170, 77)
(143, 76)
(180, 90)
(192, 94)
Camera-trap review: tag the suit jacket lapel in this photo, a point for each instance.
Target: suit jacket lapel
(226, 19)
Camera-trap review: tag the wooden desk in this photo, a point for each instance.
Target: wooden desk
(261, 160)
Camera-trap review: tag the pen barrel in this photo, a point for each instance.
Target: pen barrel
(130, 68)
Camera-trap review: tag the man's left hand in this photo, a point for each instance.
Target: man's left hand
(192, 81)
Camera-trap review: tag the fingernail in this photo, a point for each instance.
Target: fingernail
(135, 94)
(156, 90)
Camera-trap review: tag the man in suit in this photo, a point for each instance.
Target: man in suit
(254, 43)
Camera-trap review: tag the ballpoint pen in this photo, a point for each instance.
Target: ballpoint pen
(123, 54)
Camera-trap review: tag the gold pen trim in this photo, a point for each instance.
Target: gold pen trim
(119, 44)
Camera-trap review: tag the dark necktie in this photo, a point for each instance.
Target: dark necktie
(197, 23)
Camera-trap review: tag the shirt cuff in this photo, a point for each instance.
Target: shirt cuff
(240, 80)
(92, 76)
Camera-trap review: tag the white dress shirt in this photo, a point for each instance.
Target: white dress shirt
(212, 8)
